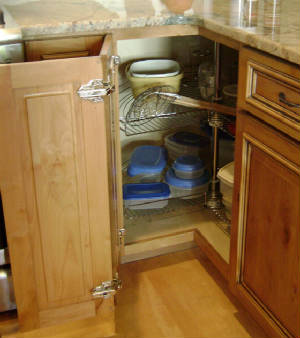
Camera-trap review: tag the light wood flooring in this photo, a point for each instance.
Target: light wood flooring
(179, 295)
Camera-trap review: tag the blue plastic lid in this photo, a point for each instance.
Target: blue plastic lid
(147, 160)
(172, 179)
(189, 139)
(188, 163)
(145, 190)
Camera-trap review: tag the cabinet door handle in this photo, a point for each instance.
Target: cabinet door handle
(282, 99)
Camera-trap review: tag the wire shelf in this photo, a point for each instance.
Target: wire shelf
(177, 207)
(175, 117)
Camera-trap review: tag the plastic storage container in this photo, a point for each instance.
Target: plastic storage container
(147, 163)
(188, 167)
(154, 68)
(146, 195)
(226, 177)
(156, 75)
(187, 188)
(186, 143)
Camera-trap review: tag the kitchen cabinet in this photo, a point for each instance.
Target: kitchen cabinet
(61, 183)
(61, 189)
(57, 188)
(265, 251)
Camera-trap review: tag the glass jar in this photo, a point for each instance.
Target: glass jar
(207, 80)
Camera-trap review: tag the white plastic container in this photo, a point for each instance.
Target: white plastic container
(154, 68)
(145, 74)
(226, 177)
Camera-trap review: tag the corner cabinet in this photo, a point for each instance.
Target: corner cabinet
(265, 251)
(56, 162)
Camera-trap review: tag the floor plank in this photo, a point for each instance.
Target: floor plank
(179, 295)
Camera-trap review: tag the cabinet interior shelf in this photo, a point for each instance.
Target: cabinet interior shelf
(177, 207)
(176, 116)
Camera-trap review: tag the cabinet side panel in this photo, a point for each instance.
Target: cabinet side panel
(53, 156)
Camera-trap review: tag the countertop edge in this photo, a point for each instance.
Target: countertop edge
(238, 34)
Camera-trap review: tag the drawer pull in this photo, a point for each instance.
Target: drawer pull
(282, 99)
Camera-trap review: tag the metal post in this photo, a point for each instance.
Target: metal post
(214, 198)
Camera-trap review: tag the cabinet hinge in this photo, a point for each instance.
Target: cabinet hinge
(95, 89)
(107, 289)
(116, 60)
(122, 233)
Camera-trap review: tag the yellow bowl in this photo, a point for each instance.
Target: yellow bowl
(140, 84)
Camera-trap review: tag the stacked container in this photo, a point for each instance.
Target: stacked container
(145, 171)
(187, 177)
(186, 143)
(147, 164)
(146, 195)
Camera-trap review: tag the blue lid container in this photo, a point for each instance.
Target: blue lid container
(141, 191)
(147, 160)
(172, 179)
(188, 163)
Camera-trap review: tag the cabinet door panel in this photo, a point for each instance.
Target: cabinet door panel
(271, 247)
(55, 166)
(53, 143)
(266, 226)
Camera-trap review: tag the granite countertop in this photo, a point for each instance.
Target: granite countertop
(268, 25)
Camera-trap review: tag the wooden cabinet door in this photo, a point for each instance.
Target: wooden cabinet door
(266, 226)
(55, 170)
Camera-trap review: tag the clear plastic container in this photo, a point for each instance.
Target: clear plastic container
(226, 177)
(188, 189)
(147, 164)
(185, 143)
(147, 178)
(188, 167)
(146, 195)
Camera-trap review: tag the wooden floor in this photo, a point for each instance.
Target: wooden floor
(179, 295)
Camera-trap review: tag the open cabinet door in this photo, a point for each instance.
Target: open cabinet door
(56, 163)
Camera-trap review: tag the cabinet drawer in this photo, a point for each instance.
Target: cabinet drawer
(62, 48)
(270, 89)
(276, 93)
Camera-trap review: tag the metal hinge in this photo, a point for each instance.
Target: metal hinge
(116, 60)
(122, 233)
(95, 89)
(107, 289)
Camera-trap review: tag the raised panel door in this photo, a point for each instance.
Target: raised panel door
(55, 172)
(267, 224)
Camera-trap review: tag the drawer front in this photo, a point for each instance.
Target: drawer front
(63, 48)
(273, 92)
(270, 89)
